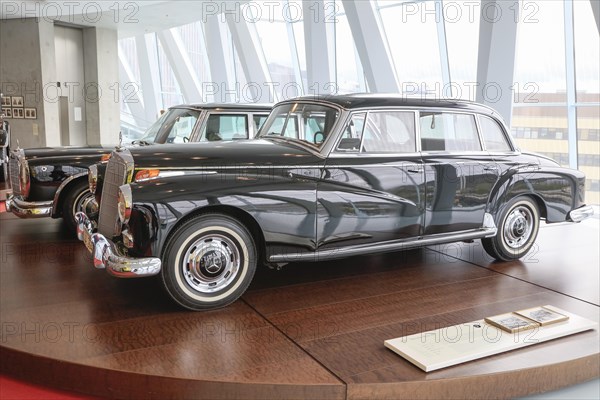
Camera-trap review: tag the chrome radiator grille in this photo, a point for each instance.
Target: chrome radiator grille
(116, 175)
(13, 172)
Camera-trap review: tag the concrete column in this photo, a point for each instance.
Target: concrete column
(134, 100)
(101, 64)
(496, 56)
(249, 50)
(28, 70)
(181, 64)
(149, 75)
(596, 11)
(320, 47)
(221, 68)
(372, 46)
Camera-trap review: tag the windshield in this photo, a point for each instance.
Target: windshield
(174, 126)
(309, 123)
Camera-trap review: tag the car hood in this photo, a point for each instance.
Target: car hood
(239, 153)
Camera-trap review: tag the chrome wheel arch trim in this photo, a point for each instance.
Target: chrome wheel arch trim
(61, 188)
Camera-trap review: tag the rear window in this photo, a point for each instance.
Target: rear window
(493, 135)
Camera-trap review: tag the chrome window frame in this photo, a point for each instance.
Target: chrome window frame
(460, 152)
(335, 152)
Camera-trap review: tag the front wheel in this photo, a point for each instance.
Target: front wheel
(518, 228)
(74, 201)
(208, 262)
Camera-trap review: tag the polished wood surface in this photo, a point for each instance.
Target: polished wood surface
(308, 331)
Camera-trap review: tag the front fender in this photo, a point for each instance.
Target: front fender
(276, 201)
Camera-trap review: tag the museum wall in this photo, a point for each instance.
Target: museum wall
(28, 67)
(101, 66)
(70, 73)
(39, 65)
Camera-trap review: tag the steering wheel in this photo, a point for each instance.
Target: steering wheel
(186, 139)
(318, 137)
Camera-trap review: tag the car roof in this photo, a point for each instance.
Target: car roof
(378, 100)
(227, 106)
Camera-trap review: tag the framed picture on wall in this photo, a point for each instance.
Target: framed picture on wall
(17, 101)
(30, 113)
(7, 112)
(18, 112)
(6, 102)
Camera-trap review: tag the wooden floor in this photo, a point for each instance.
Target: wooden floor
(308, 331)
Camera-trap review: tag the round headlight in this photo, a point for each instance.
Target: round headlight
(93, 178)
(124, 203)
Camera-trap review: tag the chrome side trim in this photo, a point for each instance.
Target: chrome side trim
(108, 256)
(164, 173)
(384, 247)
(26, 209)
(581, 213)
(63, 185)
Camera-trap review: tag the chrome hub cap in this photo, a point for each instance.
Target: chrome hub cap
(211, 263)
(518, 227)
(78, 205)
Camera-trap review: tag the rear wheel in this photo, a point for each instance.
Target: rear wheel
(73, 202)
(518, 227)
(208, 262)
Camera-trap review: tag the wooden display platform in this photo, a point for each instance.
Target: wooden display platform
(308, 331)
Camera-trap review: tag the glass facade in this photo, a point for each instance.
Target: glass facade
(432, 44)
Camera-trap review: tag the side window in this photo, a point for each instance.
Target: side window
(225, 127)
(493, 135)
(389, 132)
(381, 132)
(350, 141)
(259, 120)
(441, 131)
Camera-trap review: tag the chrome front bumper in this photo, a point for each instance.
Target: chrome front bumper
(581, 213)
(26, 209)
(108, 256)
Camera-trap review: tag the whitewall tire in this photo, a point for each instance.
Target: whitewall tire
(208, 262)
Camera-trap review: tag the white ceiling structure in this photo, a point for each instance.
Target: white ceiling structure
(489, 51)
(130, 18)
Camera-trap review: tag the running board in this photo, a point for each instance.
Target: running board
(342, 252)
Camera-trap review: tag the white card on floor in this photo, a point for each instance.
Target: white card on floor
(441, 348)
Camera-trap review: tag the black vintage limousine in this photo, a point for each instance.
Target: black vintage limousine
(328, 177)
(53, 182)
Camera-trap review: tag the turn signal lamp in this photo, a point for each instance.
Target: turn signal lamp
(146, 174)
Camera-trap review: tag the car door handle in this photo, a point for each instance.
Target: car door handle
(491, 168)
(415, 169)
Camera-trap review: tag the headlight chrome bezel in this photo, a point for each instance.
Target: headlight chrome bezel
(24, 178)
(124, 203)
(93, 178)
